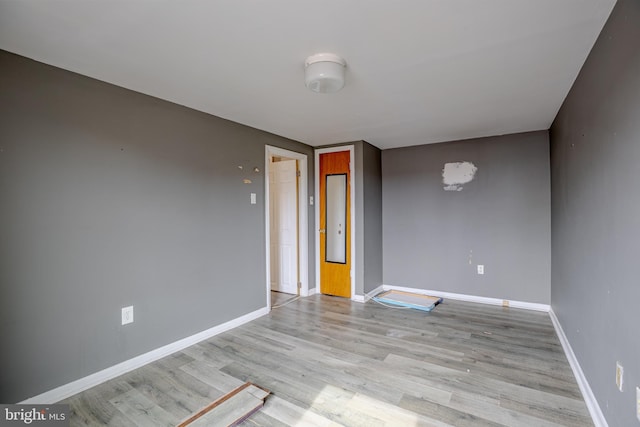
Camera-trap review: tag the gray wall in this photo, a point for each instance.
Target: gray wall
(112, 198)
(359, 215)
(500, 219)
(372, 221)
(595, 167)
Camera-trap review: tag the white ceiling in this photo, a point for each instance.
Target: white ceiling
(418, 71)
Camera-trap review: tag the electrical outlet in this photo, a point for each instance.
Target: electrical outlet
(480, 269)
(127, 315)
(638, 403)
(619, 375)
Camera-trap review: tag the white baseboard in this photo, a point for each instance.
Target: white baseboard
(592, 404)
(472, 298)
(358, 298)
(68, 390)
(373, 293)
(312, 291)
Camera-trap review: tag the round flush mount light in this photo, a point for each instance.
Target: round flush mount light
(324, 72)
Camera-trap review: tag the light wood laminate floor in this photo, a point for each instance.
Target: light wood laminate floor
(329, 361)
(279, 299)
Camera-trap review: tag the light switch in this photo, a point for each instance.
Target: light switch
(311, 200)
(253, 198)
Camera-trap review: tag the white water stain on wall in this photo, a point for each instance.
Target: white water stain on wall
(454, 175)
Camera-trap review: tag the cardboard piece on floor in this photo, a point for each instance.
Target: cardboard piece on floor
(408, 299)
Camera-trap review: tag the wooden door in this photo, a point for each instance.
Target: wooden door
(335, 224)
(283, 215)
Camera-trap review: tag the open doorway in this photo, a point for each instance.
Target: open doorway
(286, 225)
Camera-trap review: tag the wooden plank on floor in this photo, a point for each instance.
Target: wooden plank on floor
(230, 409)
(231, 412)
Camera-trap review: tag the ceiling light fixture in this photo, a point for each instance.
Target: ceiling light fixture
(324, 72)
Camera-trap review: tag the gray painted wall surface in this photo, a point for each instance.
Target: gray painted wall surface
(112, 198)
(595, 168)
(501, 219)
(359, 215)
(372, 221)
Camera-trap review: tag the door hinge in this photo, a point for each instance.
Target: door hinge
(298, 174)
(299, 285)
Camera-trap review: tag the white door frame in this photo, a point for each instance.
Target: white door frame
(303, 215)
(352, 184)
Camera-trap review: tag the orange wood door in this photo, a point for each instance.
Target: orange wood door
(335, 224)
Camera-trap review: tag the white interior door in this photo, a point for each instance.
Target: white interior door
(283, 216)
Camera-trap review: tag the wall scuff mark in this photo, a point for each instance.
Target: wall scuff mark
(454, 175)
